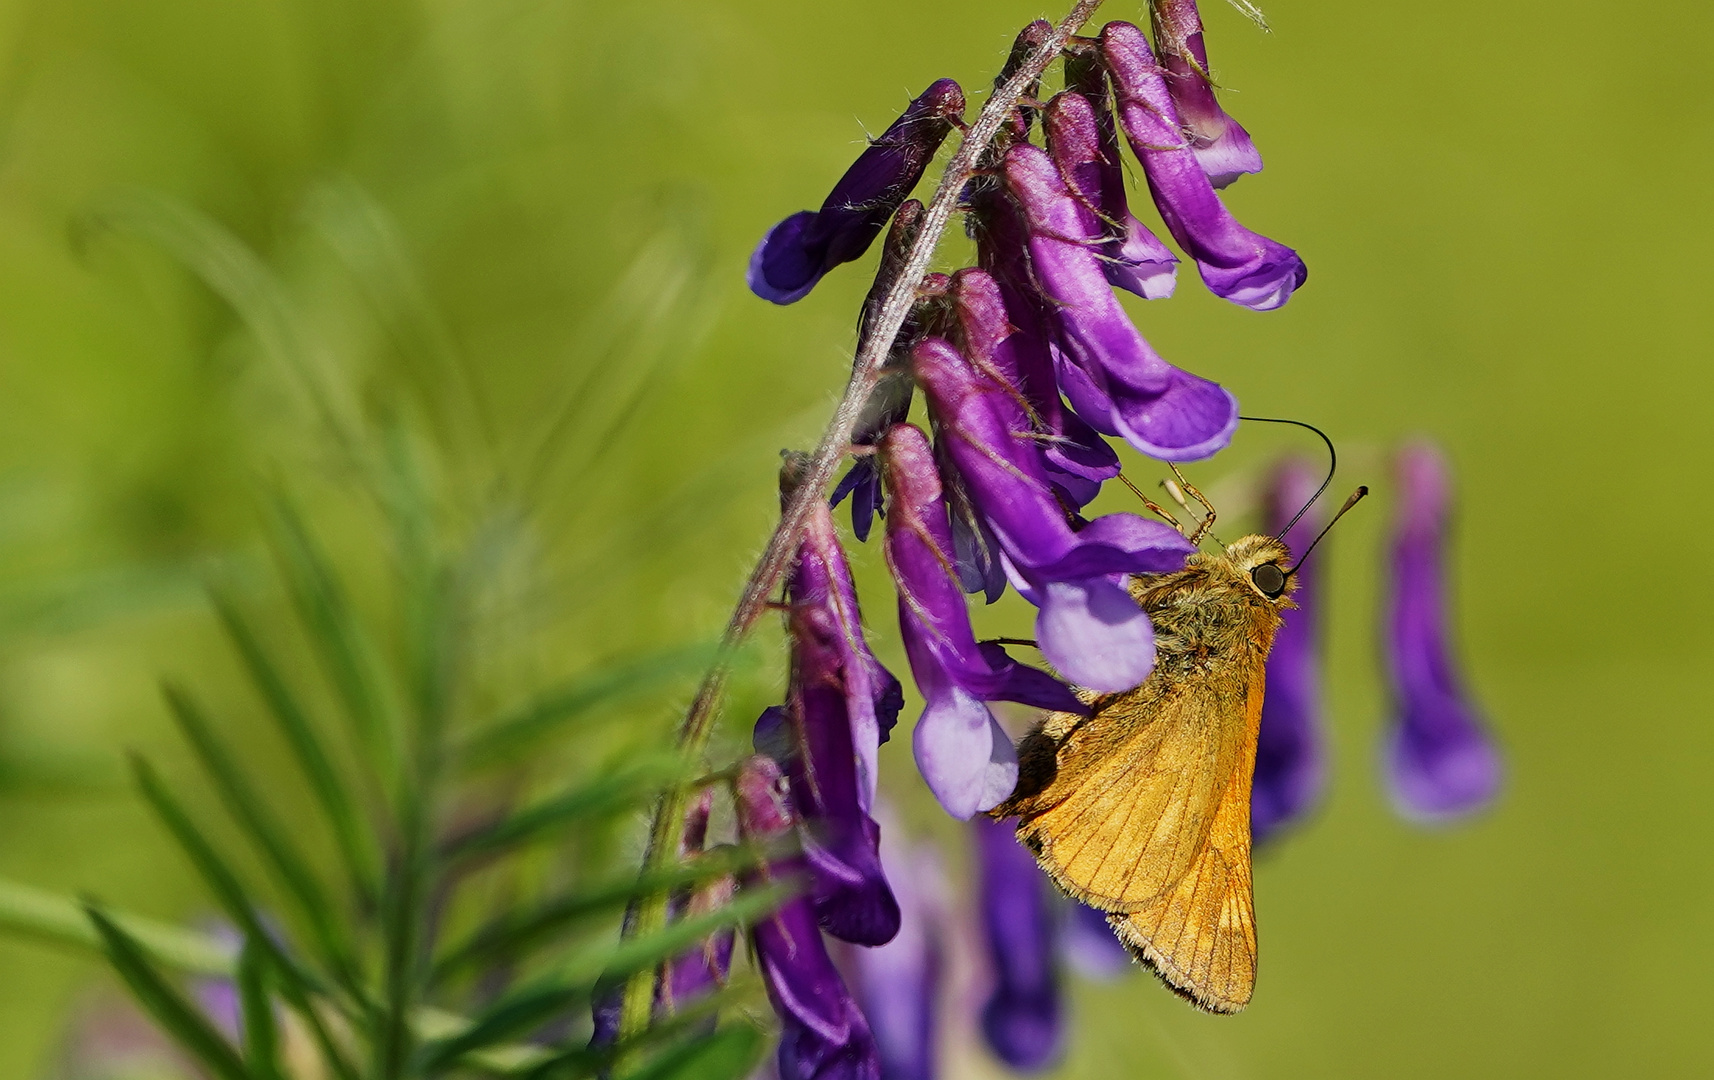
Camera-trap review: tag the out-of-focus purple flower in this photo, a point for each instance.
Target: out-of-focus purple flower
(1220, 143)
(840, 704)
(1088, 945)
(798, 251)
(823, 1033)
(899, 982)
(1022, 1019)
(1237, 264)
(1112, 377)
(1082, 142)
(1290, 752)
(1440, 759)
(963, 753)
(1088, 626)
(704, 967)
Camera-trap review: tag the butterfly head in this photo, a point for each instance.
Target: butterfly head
(1262, 562)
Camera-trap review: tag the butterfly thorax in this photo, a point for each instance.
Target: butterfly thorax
(1210, 612)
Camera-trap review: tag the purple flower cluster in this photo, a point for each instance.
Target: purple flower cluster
(1026, 363)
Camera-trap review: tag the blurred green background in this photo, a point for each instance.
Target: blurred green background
(520, 228)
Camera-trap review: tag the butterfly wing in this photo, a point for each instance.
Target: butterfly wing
(1201, 935)
(1120, 806)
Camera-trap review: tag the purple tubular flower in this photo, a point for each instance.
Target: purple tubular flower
(704, 967)
(1022, 1019)
(1088, 626)
(1082, 142)
(842, 702)
(1087, 943)
(1290, 753)
(823, 1033)
(900, 981)
(1236, 264)
(1440, 759)
(1221, 145)
(964, 755)
(1112, 377)
(798, 251)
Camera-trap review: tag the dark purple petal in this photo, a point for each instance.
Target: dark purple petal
(798, 251)
(1022, 1019)
(1082, 142)
(899, 982)
(705, 967)
(1088, 945)
(1221, 145)
(976, 554)
(1117, 382)
(823, 1033)
(1441, 761)
(1237, 264)
(1290, 753)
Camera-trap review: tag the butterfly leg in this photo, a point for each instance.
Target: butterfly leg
(1152, 506)
(1190, 489)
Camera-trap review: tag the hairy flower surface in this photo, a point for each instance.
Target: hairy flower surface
(1221, 145)
(800, 250)
(1236, 264)
(1290, 750)
(1022, 1020)
(1111, 375)
(823, 1035)
(1440, 759)
(1082, 142)
(961, 750)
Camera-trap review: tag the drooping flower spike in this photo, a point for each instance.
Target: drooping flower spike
(1088, 626)
(1022, 1019)
(841, 703)
(1110, 374)
(1290, 746)
(800, 250)
(1236, 264)
(1441, 761)
(1221, 145)
(824, 1035)
(964, 755)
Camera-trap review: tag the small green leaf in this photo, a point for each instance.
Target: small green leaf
(280, 855)
(637, 782)
(261, 1034)
(729, 1054)
(176, 1016)
(306, 745)
(526, 727)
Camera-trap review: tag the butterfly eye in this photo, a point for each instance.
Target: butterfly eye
(1270, 579)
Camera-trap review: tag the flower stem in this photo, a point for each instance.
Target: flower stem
(668, 824)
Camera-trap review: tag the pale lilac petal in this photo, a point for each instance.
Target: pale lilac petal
(1095, 634)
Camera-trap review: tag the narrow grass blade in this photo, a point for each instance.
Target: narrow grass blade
(259, 823)
(340, 644)
(593, 972)
(176, 1016)
(729, 1054)
(695, 1019)
(47, 916)
(511, 935)
(294, 724)
(636, 783)
(528, 726)
(256, 1006)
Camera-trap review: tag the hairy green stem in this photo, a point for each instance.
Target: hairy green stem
(668, 824)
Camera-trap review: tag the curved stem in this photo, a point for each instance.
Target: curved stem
(668, 823)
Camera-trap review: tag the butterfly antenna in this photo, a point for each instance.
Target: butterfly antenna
(1332, 467)
(1356, 497)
